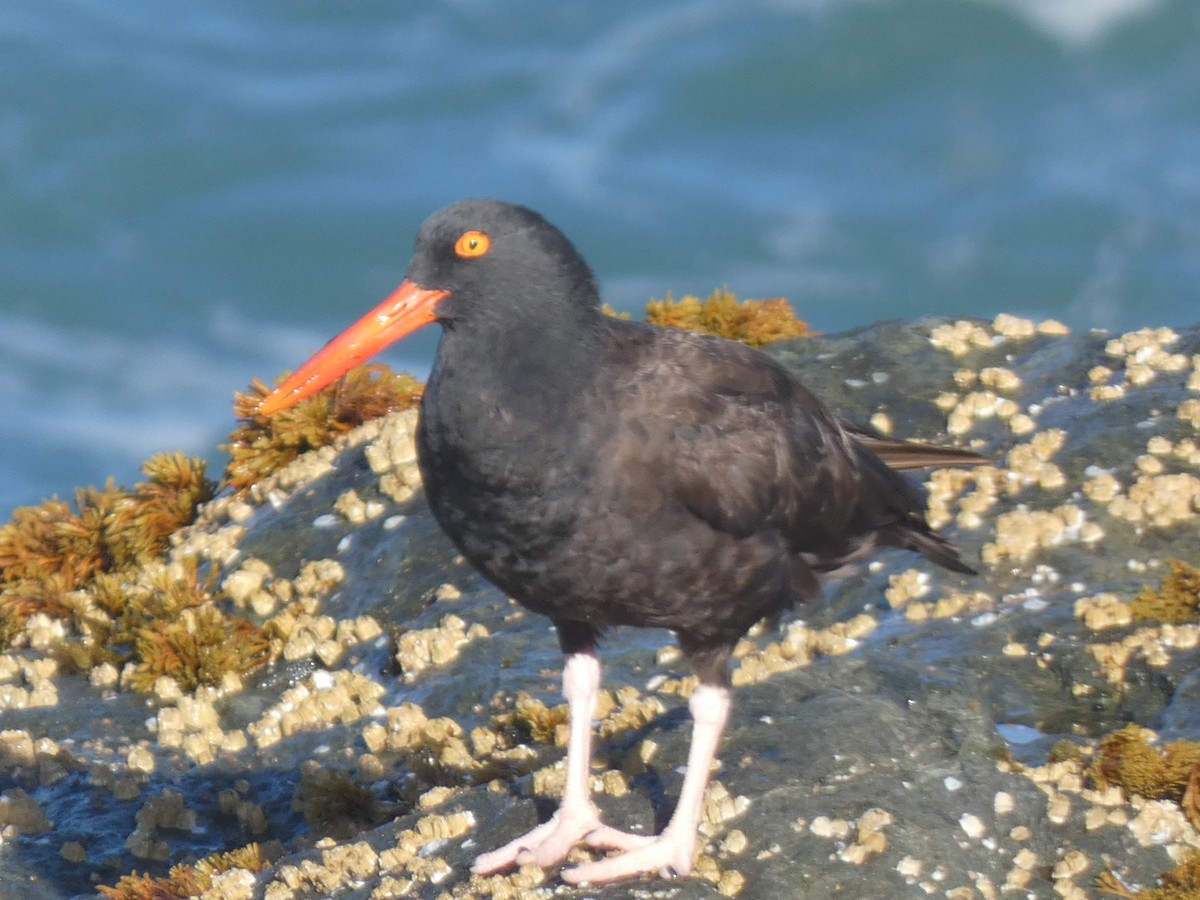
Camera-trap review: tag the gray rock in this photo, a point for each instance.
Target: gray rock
(943, 723)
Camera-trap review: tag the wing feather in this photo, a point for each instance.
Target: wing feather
(745, 448)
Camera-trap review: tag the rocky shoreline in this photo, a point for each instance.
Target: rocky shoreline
(905, 738)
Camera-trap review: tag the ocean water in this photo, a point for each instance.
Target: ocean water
(192, 195)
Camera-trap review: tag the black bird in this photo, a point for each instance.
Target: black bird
(605, 472)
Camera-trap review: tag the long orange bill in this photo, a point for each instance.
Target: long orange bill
(405, 310)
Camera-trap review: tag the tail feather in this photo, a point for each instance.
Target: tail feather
(901, 455)
(935, 548)
(906, 506)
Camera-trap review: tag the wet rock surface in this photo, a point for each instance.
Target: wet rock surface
(891, 742)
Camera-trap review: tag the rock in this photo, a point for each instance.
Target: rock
(892, 740)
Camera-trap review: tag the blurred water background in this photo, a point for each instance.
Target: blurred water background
(195, 194)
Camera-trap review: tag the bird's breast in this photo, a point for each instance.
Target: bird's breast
(505, 490)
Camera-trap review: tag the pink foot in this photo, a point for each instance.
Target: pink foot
(550, 842)
(665, 855)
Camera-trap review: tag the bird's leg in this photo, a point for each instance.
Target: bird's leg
(670, 853)
(577, 818)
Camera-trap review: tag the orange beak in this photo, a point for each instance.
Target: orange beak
(404, 311)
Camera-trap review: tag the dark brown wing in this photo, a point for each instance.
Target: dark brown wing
(720, 425)
(747, 449)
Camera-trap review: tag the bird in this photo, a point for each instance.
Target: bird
(605, 472)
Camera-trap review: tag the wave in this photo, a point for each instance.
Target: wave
(1079, 22)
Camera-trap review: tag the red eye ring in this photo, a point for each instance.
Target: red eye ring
(471, 244)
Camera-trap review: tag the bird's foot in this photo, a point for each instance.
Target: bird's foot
(667, 855)
(550, 842)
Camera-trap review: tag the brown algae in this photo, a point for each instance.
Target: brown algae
(753, 322)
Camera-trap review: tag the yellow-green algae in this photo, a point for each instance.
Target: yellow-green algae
(107, 530)
(530, 720)
(74, 563)
(180, 633)
(186, 880)
(1064, 751)
(1175, 601)
(753, 322)
(1171, 772)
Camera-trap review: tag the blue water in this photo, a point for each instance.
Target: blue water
(195, 194)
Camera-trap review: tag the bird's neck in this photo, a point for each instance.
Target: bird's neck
(531, 354)
(513, 384)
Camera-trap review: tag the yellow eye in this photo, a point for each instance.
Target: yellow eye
(472, 243)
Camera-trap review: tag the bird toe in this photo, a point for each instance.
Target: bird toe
(664, 855)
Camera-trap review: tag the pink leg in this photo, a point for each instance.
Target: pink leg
(671, 852)
(577, 819)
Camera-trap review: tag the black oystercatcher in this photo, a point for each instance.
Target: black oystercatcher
(605, 472)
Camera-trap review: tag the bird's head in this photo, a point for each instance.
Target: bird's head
(476, 263)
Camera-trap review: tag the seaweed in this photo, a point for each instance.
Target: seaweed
(609, 310)
(186, 880)
(530, 720)
(335, 805)
(54, 539)
(108, 529)
(1175, 601)
(141, 525)
(1064, 751)
(50, 550)
(172, 626)
(753, 322)
(261, 445)
(197, 649)
(1171, 772)
(11, 625)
